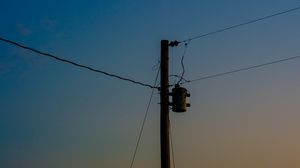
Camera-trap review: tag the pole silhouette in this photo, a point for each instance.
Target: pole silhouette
(164, 105)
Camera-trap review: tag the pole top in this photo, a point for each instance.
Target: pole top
(164, 42)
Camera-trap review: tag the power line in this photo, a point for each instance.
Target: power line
(241, 24)
(144, 121)
(179, 77)
(172, 146)
(74, 63)
(181, 61)
(241, 69)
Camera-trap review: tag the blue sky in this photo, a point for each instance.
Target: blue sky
(56, 115)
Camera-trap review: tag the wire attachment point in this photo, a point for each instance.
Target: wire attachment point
(174, 43)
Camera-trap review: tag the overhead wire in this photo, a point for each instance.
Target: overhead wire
(172, 146)
(241, 69)
(240, 24)
(144, 121)
(179, 77)
(181, 62)
(74, 63)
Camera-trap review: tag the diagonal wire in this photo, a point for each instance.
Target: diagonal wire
(144, 121)
(179, 77)
(242, 69)
(172, 146)
(74, 63)
(242, 24)
(181, 61)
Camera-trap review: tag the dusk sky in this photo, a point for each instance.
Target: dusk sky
(55, 115)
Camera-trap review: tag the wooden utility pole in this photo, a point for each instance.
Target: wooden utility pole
(164, 106)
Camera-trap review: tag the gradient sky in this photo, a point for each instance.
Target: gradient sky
(56, 115)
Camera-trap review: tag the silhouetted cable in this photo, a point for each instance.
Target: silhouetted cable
(179, 77)
(144, 121)
(241, 69)
(75, 64)
(241, 24)
(172, 147)
(182, 64)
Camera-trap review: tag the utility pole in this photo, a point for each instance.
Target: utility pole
(179, 104)
(164, 106)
